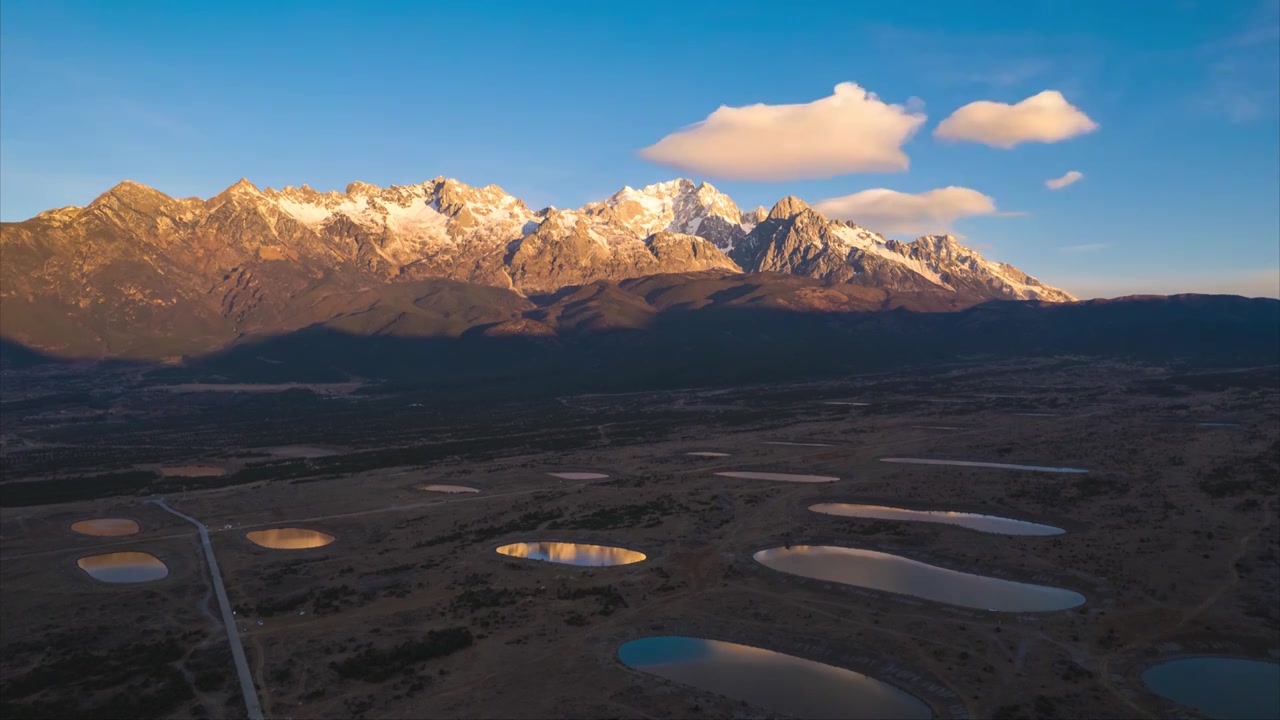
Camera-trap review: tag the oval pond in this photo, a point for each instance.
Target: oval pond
(897, 574)
(1223, 688)
(973, 521)
(776, 682)
(573, 553)
(780, 477)
(289, 538)
(106, 527)
(123, 567)
(975, 463)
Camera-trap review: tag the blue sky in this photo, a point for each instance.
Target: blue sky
(552, 101)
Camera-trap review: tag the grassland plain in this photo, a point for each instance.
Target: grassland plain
(1171, 537)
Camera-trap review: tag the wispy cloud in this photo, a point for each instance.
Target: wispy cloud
(1242, 82)
(151, 118)
(1001, 63)
(1087, 247)
(1072, 176)
(104, 99)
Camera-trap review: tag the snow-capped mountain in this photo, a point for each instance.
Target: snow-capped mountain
(252, 260)
(678, 206)
(797, 239)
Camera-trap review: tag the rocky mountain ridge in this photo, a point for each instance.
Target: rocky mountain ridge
(252, 261)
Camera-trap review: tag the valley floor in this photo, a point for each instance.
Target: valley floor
(1172, 536)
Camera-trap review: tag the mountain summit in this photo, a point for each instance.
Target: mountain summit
(252, 260)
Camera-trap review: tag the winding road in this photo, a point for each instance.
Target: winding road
(228, 619)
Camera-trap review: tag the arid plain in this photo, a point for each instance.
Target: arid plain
(1171, 536)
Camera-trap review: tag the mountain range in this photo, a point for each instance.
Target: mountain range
(139, 274)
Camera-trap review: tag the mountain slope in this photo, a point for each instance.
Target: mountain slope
(140, 274)
(797, 239)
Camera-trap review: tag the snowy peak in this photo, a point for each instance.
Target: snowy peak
(412, 219)
(446, 228)
(678, 206)
(799, 240)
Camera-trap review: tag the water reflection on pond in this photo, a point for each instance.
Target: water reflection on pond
(123, 567)
(974, 463)
(448, 488)
(289, 538)
(1222, 688)
(578, 475)
(573, 553)
(972, 521)
(781, 477)
(106, 527)
(773, 681)
(896, 574)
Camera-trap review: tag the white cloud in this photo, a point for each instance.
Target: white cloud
(888, 211)
(850, 131)
(1046, 118)
(1071, 177)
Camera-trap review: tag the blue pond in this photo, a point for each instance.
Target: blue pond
(1222, 688)
(770, 680)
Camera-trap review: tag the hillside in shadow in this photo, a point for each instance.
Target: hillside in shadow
(732, 345)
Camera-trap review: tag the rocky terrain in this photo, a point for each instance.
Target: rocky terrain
(137, 273)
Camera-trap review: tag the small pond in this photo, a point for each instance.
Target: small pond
(975, 463)
(578, 475)
(973, 521)
(775, 682)
(1223, 688)
(289, 538)
(897, 574)
(448, 488)
(573, 553)
(124, 567)
(780, 477)
(106, 527)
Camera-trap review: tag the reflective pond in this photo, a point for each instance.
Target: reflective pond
(973, 463)
(289, 538)
(973, 521)
(773, 681)
(106, 527)
(797, 444)
(578, 475)
(573, 553)
(897, 574)
(124, 567)
(1223, 688)
(782, 477)
(448, 488)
